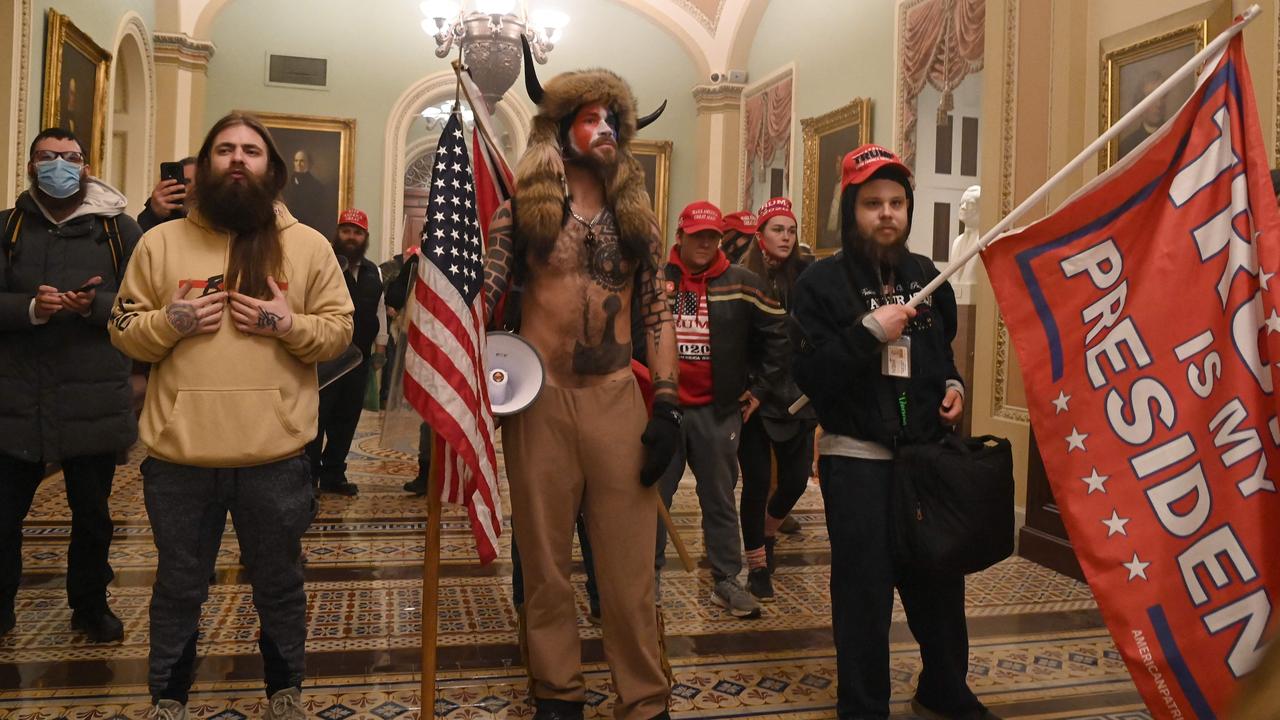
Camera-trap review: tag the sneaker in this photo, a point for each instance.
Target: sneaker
(100, 624)
(339, 488)
(769, 544)
(760, 583)
(729, 595)
(417, 487)
(549, 709)
(789, 525)
(285, 705)
(924, 711)
(170, 710)
(7, 620)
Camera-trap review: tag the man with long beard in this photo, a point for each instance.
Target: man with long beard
(233, 305)
(64, 396)
(880, 376)
(581, 238)
(341, 402)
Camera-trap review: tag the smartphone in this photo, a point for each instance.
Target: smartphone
(172, 171)
(87, 286)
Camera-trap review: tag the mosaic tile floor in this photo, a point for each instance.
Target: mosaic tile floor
(1038, 646)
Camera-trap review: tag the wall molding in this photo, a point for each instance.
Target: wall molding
(183, 51)
(725, 97)
(22, 88)
(1000, 406)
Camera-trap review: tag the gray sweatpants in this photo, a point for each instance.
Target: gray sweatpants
(710, 447)
(271, 506)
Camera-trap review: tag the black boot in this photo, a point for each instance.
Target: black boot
(99, 623)
(760, 584)
(557, 709)
(7, 620)
(417, 486)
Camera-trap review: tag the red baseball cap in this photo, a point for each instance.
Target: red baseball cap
(351, 216)
(774, 207)
(743, 222)
(699, 216)
(861, 164)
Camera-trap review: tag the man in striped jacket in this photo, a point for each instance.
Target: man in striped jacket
(726, 326)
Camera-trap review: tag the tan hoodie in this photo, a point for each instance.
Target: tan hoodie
(229, 399)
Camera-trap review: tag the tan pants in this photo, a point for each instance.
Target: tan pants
(581, 448)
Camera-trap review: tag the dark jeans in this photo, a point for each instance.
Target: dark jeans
(588, 564)
(88, 481)
(271, 506)
(856, 494)
(795, 463)
(340, 406)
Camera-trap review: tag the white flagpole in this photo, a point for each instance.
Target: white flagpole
(1114, 131)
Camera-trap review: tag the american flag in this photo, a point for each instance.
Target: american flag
(444, 366)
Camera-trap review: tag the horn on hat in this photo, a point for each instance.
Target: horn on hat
(648, 119)
(531, 84)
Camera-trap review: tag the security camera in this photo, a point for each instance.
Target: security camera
(717, 77)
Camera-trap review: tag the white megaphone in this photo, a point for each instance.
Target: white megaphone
(513, 373)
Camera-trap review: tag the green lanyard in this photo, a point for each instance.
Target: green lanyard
(902, 407)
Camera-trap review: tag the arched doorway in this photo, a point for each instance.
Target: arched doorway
(131, 154)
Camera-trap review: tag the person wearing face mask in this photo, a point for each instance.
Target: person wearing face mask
(775, 256)
(64, 392)
(341, 402)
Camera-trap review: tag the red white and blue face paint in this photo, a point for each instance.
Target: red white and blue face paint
(594, 134)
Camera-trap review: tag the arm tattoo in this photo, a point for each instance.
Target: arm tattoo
(499, 259)
(182, 316)
(268, 319)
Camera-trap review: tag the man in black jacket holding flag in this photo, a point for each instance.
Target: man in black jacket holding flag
(880, 375)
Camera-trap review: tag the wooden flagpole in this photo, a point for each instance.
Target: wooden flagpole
(431, 585)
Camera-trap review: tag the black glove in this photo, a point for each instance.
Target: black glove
(661, 438)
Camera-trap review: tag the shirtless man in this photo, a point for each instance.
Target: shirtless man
(581, 240)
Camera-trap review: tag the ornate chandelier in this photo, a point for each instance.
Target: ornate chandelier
(488, 33)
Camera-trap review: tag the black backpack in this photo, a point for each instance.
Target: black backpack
(13, 230)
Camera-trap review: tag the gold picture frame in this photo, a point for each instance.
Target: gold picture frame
(71, 61)
(655, 157)
(1132, 63)
(329, 146)
(827, 139)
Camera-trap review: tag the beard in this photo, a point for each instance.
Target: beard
(241, 208)
(591, 160)
(353, 253)
(873, 251)
(59, 206)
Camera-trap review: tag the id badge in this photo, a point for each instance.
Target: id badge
(895, 358)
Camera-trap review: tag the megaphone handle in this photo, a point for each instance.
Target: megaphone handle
(681, 550)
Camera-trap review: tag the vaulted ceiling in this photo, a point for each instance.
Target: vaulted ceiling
(717, 34)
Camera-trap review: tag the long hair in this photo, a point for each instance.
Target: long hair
(255, 252)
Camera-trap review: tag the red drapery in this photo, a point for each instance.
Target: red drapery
(942, 42)
(768, 130)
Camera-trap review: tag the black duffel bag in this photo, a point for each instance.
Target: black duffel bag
(953, 504)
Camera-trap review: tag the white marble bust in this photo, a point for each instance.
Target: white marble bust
(967, 239)
(962, 281)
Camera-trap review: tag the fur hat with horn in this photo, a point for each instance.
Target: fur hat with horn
(541, 205)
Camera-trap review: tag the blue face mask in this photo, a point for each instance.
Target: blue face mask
(58, 178)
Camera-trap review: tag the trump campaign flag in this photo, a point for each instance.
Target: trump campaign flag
(1144, 316)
